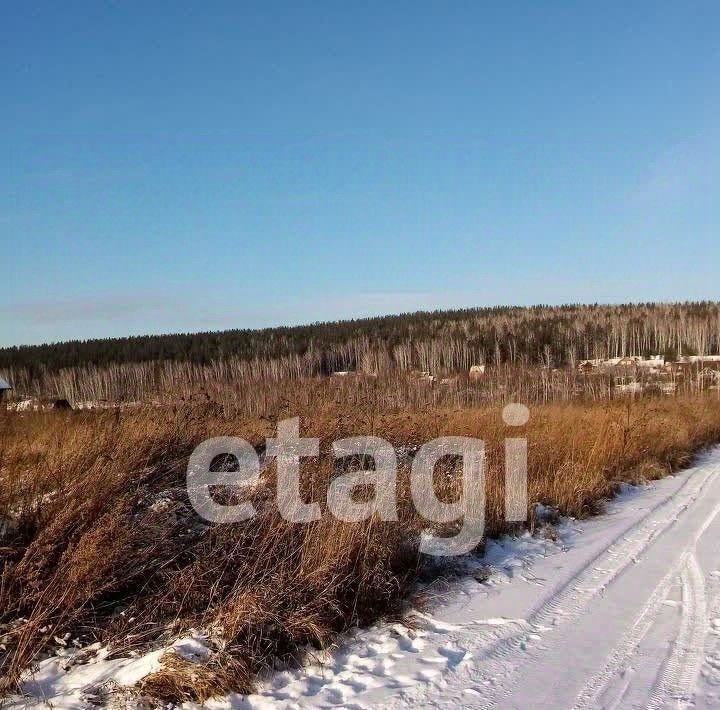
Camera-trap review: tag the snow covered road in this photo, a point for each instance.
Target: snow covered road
(622, 611)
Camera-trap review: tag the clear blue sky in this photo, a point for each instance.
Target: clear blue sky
(177, 166)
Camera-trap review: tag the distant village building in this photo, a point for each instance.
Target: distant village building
(627, 361)
(634, 374)
(587, 367)
(629, 388)
(654, 362)
(477, 371)
(5, 388)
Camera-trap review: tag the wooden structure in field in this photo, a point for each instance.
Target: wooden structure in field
(5, 388)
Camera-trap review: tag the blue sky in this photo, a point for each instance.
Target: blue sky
(172, 166)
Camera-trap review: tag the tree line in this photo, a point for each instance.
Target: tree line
(552, 336)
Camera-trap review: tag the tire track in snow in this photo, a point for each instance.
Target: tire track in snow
(707, 694)
(682, 668)
(621, 655)
(679, 676)
(572, 599)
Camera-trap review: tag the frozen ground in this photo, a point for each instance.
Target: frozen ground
(621, 611)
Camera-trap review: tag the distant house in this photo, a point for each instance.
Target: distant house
(709, 374)
(654, 362)
(5, 388)
(629, 388)
(702, 359)
(627, 361)
(477, 371)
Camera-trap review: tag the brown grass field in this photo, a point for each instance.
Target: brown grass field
(99, 540)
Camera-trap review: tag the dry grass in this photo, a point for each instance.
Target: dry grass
(100, 541)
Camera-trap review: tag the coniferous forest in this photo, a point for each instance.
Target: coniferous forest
(550, 335)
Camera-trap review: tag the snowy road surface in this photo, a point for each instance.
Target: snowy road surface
(621, 611)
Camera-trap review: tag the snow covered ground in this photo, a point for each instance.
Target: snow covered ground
(621, 611)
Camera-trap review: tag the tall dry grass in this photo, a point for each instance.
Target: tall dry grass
(99, 540)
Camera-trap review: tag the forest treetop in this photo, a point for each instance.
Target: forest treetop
(561, 333)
